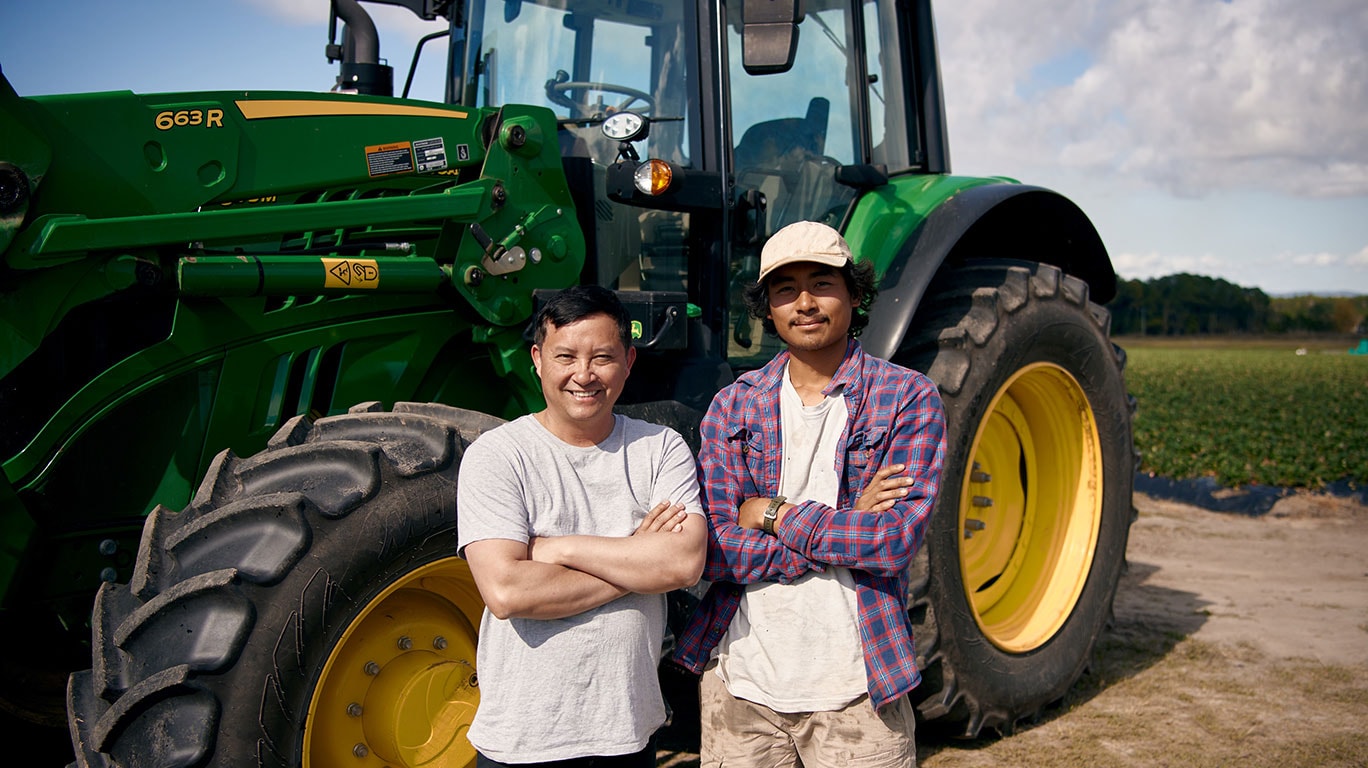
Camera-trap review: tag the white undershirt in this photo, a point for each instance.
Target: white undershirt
(796, 647)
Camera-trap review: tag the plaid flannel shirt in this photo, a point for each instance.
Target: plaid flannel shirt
(896, 417)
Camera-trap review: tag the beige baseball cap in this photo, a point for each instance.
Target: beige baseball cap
(803, 241)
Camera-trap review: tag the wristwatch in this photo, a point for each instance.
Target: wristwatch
(771, 515)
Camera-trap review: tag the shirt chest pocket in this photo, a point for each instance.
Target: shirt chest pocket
(749, 448)
(866, 449)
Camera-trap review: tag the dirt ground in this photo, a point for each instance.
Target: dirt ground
(1239, 641)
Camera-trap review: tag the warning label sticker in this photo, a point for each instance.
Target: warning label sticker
(430, 154)
(351, 273)
(386, 159)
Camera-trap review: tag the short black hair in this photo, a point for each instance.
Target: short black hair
(860, 282)
(578, 302)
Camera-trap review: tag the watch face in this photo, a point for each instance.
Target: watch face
(623, 126)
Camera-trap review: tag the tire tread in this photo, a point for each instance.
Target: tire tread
(963, 311)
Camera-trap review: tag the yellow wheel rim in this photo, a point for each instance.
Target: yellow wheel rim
(1030, 508)
(400, 688)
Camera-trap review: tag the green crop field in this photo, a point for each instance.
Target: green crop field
(1250, 412)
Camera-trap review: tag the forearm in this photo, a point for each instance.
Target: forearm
(881, 542)
(543, 591)
(742, 556)
(514, 586)
(878, 542)
(646, 563)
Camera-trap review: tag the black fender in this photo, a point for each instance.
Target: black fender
(1023, 222)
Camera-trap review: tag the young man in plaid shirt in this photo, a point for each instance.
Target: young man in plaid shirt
(818, 473)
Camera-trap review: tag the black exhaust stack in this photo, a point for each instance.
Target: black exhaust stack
(361, 70)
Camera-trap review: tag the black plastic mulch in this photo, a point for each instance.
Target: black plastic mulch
(1251, 499)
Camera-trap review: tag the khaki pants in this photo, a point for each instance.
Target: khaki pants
(741, 734)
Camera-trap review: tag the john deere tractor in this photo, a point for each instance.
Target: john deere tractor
(246, 336)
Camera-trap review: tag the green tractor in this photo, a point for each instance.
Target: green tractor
(245, 337)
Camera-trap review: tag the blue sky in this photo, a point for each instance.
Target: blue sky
(1227, 139)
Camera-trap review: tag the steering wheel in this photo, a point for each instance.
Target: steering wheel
(556, 92)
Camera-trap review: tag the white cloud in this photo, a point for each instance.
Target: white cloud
(1287, 272)
(1312, 259)
(1357, 261)
(1185, 95)
(1144, 266)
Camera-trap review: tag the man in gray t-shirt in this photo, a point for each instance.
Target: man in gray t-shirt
(576, 522)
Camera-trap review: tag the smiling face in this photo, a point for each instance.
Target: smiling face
(583, 366)
(811, 307)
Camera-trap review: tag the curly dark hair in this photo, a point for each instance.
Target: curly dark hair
(860, 282)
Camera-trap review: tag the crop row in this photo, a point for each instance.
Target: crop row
(1242, 415)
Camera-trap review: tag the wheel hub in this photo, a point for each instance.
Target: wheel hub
(419, 707)
(1031, 508)
(400, 688)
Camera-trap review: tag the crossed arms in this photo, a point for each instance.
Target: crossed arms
(879, 534)
(561, 576)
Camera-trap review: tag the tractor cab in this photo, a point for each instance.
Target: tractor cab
(767, 114)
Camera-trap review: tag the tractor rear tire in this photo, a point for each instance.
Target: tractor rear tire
(1027, 539)
(306, 609)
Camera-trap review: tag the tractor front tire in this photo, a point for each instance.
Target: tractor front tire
(1027, 538)
(306, 609)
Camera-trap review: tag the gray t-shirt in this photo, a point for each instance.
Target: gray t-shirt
(583, 685)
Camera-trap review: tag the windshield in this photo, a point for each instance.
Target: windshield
(585, 60)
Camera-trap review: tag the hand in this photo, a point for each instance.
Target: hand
(884, 490)
(665, 516)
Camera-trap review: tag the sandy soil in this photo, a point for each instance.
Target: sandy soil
(1292, 584)
(1238, 641)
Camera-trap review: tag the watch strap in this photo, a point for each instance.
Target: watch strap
(771, 515)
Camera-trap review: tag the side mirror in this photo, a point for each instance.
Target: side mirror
(769, 35)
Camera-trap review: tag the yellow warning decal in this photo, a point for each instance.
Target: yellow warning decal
(254, 109)
(351, 273)
(385, 159)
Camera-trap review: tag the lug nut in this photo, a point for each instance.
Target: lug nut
(372, 668)
(405, 644)
(360, 750)
(353, 710)
(439, 642)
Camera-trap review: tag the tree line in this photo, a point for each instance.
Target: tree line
(1183, 304)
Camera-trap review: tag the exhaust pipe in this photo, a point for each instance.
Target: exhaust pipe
(361, 70)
